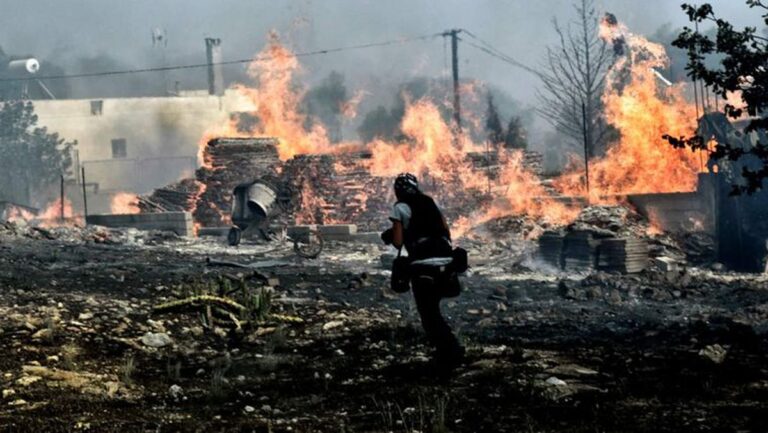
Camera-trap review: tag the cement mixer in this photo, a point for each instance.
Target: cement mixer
(255, 204)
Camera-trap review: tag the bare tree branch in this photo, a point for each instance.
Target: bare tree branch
(574, 73)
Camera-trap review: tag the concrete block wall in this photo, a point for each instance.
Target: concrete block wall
(685, 211)
(330, 232)
(179, 222)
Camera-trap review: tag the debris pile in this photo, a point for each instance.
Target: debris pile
(178, 197)
(227, 162)
(608, 238)
(328, 188)
(91, 234)
(337, 189)
(489, 162)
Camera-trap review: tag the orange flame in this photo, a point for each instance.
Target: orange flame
(17, 214)
(655, 224)
(349, 107)
(641, 161)
(51, 216)
(124, 203)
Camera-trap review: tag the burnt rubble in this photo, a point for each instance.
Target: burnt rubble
(184, 334)
(153, 331)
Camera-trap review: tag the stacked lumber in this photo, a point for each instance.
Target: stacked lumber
(227, 162)
(328, 188)
(580, 251)
(178, 197)
(625, 255)
(551, 248)
(336, 189)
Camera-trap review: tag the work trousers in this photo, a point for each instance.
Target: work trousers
(428, 296)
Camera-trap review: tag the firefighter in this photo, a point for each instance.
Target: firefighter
(420, 227)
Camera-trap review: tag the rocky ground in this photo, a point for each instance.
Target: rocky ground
(90, 342)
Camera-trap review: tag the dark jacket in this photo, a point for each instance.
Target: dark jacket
(426, 235)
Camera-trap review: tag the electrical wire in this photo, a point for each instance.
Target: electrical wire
(489, 49)
(229, 62)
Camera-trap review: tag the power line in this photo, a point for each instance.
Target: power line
(494, 52)
(229, 62)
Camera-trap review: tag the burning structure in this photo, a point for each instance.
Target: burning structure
(590, 306)
(347, 182)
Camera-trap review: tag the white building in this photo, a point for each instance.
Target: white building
(138, 144)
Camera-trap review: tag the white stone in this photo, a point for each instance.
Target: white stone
(556, 382)
(156, 340)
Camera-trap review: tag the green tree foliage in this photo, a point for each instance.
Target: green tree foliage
(32, 158)
(493, 126)
(515, 137)
(743, 68)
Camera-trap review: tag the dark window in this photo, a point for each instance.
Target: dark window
(119, 148)
(97, 107)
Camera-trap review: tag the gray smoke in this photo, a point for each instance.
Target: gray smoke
(94, 35)
(91, 34)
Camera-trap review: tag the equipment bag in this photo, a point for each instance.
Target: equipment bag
(444, 280)
(401, 274)
(460, 261)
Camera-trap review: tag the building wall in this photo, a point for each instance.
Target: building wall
(681, 212)
(161, 135)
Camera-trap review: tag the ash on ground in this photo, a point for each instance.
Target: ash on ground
(121, 330)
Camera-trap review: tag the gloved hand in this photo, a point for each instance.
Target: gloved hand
(388, 236)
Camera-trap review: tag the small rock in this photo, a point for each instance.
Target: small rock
(249, 409)
(17, 402)
(27, 380)
(614, 297)
(175, 391)
(332, 324)
(715, 353)
(8, 392)
(156, 340)
(555, 381)
(43, 334)
(666, 264)
(85, 316)
(594, 292)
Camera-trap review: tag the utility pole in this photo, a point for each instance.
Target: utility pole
(85, 197)
(61, 209)
(585, 127)
(454, 34)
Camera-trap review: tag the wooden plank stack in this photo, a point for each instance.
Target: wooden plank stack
(580, 251)
(177, 197)
(329, 189)
(625, 255)
(551, 248)
(337, 189)
(227, 163)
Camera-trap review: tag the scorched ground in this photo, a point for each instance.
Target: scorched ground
(85, 349)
